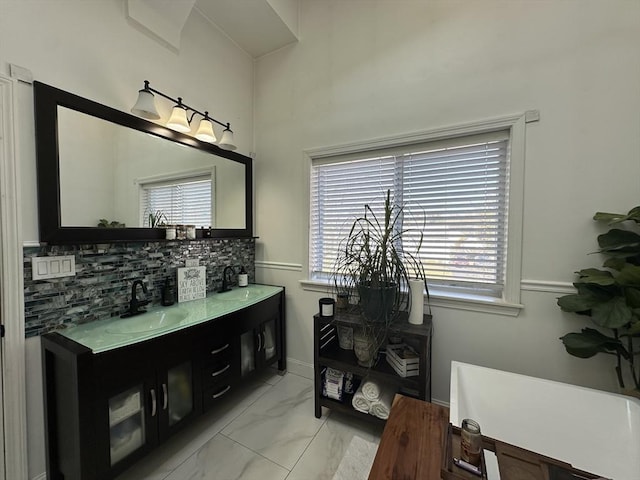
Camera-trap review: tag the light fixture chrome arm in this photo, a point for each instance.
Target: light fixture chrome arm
(178, 101)
(145, 107)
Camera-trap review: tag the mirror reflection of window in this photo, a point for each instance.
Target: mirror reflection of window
(177, 201)
(102, 166)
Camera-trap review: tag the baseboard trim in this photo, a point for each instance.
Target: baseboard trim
(302, 369)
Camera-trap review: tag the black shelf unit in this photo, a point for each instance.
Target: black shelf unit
(328, 354)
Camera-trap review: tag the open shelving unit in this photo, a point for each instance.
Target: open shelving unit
(328, 354)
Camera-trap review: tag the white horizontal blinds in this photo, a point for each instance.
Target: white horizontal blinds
(462, 191)
(339, 192)
(453, 191)
(183, 201)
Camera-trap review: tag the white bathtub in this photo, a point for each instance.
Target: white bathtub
(591, 429)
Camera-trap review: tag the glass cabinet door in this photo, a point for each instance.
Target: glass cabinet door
(247, 353)
(269, 339)
(126, 423)
(178, 393)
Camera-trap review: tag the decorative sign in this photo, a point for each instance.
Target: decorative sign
(192, 283)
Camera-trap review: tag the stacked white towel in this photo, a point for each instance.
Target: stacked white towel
(374, 398)
(371, 390)
(359, 402)
(382, 406)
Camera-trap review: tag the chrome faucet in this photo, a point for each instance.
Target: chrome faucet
(135, 304)
(226, 279)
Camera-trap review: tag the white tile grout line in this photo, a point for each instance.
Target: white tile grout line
(326, 417)
(219, 431)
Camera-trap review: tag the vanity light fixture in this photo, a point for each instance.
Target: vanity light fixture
(145, 107)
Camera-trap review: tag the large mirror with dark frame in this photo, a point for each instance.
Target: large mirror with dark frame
(107, 176)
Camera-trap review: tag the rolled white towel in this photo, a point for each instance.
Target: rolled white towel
(382, 406)
(371, 390)
(359, 402)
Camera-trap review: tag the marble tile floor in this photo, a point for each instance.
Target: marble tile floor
(264, 431)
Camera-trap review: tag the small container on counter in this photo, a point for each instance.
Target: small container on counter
(243, 278)
(168, 293)
(327, 305)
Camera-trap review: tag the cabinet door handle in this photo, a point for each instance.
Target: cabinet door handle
(259, 342)
(153, 402)
(221, 349)
(222, 370)
(165, 396)
(222, 392)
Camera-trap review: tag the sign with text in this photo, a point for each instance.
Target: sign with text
(192, 283)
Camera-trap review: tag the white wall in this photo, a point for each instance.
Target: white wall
(90, 49)
(370, 69)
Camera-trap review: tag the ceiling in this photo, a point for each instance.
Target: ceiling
(253, 24)
(256, 26)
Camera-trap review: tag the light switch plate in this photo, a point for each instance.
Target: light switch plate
(43, 268)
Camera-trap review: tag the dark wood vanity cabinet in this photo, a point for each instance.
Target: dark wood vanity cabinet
(261, 339)
(107, 410)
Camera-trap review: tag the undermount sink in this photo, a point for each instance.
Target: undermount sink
(242, 294)
(148, 322)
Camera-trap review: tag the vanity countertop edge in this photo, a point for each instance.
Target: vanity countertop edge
(108, 334)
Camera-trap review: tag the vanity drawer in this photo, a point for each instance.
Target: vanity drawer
(216, 374)
(218, 351)
(213, 396)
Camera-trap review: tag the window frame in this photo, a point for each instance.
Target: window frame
(509, 304)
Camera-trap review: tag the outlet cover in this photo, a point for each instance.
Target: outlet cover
(43, 268)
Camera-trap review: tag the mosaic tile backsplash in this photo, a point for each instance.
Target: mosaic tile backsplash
(101, 287)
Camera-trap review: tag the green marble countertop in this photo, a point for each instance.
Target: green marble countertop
(115, 332)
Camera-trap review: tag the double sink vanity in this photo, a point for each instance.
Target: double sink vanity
(117, 388)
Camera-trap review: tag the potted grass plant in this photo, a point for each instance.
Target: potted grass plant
(373, 268)
(610, 297)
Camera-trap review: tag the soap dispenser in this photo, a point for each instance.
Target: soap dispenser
(243, 278)
(168, 293)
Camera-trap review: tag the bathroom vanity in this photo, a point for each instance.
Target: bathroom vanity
(115, 389)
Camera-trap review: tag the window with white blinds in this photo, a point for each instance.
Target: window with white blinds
(183, 201)
(454, 192)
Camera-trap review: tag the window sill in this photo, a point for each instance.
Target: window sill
(458, 301)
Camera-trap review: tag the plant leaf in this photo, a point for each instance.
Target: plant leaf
(615, 263)
(616, 238)
(614, 313)
(629, 276)
(633, 297)
(634, 329)
(594, 275)
(589, 342)
(577, 302)
(634, 214)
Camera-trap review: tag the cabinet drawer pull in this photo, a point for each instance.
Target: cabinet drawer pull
(221, 349)
(165, 396)
(222, 370)
(222, 392)
(153, 402)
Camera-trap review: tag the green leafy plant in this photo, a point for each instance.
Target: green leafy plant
(156, 219)
(610, 297)
(104, 223)
(373, 265)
